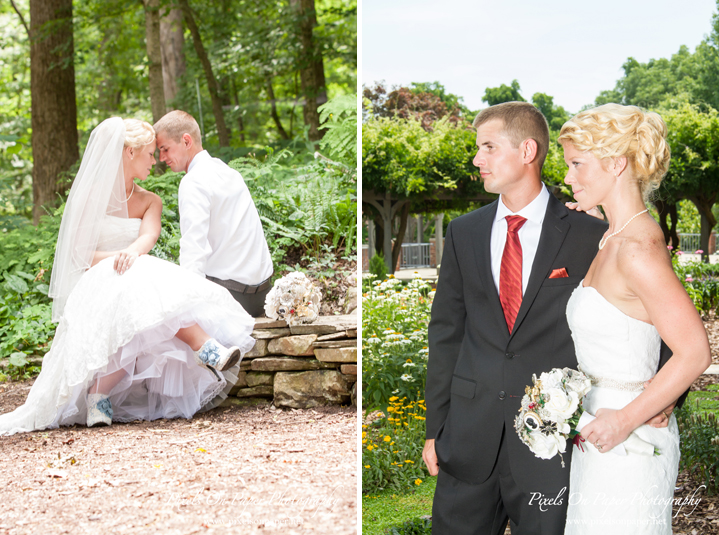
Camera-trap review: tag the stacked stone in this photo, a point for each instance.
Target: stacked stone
(300, 366)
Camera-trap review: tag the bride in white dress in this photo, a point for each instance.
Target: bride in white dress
(629, 301)
(138, 337)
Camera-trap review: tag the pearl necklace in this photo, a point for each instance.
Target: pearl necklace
(604, 240)
(128, 198)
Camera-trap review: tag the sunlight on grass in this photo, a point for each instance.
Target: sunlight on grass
(388, 508)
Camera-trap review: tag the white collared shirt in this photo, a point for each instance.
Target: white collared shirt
(528, 235)
(222, 234)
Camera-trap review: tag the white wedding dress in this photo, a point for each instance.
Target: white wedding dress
(609, 493)
(129, 321)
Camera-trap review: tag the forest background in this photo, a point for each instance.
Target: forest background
(272, 83)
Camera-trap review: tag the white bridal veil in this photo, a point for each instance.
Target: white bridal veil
(98, 190)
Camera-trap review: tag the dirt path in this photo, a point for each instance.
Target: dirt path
(248, 470)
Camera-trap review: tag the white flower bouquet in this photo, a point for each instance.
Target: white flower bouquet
(552, 412)
(294, 299)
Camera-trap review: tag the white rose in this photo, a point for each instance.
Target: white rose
(560, 403)
(577, 382)
(552, 379)
(546, 446)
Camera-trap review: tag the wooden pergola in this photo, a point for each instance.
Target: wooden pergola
(388, 204)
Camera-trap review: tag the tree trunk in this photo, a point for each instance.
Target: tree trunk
(397, 247)
(172, 41)
(222, 132)
(54, 111)
(665, 211)
(704, 205)
(154, 57)
(387, 209)
(312, 72)
(273, 112)
(240, 122)
(378, 235)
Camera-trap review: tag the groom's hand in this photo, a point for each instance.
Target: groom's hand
(430, 457)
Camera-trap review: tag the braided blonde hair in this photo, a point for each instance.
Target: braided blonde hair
(613, 130)
(138, 133)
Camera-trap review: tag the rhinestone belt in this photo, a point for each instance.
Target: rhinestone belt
(627, 386)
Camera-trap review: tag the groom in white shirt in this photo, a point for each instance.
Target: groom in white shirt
(222, 237)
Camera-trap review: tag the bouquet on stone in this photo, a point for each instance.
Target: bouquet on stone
(293, 298)
(552, 412)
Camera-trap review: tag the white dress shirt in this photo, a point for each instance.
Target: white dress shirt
(221, 230)
(528, 235)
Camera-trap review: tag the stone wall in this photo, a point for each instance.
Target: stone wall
(301, 366)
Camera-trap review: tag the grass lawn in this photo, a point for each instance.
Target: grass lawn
(390, 508)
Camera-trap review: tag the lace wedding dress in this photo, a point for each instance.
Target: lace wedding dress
(609, 493)
(129, 321)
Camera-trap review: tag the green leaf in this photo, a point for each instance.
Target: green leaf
(16, 284)
(18, 359)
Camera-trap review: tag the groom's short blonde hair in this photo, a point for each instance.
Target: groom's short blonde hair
(521, 120)
(176, 123)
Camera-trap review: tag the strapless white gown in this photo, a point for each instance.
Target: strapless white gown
(129, 321)
(609, 493)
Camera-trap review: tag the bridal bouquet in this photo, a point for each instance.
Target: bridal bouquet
(294, 299)
(552, 412)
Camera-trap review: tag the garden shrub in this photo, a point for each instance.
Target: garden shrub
(392, 447)
(377, 266)
(699, 433)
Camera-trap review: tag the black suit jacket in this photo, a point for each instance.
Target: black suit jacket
(477, 371)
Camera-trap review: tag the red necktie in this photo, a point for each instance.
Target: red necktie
(510, 274)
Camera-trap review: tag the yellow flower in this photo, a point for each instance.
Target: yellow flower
(364, 441)
(409, 360)
(408, 461)
(370, 447)
(364, 434)
(417, 481)
(393, 398)
(387, 438)
(366, 466)
(390, 409)
(391, 443)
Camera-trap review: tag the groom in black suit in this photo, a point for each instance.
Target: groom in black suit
(508, 270)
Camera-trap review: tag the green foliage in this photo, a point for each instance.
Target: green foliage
(377, 267)
(394, 341)
(414, 526)
(503, 93)
(389, 508)
(392, 447)
(400, 156)
(700, 280)
(339, 118)
(26, 328)
(301, 203)
(688, 220)
(699, 433)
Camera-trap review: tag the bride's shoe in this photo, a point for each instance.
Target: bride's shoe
(214, 354)
(99, 410)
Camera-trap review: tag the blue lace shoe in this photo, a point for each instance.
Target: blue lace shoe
(215, 355)
(99, 410)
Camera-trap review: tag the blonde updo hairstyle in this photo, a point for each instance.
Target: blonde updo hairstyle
(138, 133)
(612, 130)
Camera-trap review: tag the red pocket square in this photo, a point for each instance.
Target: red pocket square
(559, 273)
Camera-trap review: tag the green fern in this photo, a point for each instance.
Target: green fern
(339, 119)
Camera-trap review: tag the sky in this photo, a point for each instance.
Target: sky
(570, 50)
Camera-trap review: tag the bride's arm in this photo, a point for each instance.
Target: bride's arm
(649, 275)
(149, 232)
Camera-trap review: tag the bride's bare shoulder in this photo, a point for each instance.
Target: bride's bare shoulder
(643, 252)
